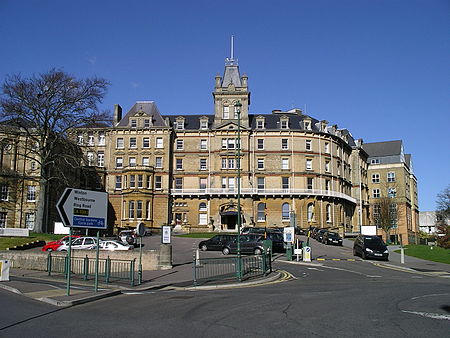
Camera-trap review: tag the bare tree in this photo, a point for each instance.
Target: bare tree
(443, 218)
(386, 209)
(45, 107)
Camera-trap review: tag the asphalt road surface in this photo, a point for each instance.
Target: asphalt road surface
(336, 299)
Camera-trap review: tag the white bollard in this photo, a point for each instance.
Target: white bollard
(402, 255)
(197, 257)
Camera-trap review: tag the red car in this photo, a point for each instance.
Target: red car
(52, 246)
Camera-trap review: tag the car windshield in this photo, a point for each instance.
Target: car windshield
(373, 240)
(333, 234)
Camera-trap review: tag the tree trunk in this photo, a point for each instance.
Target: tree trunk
(40, 207)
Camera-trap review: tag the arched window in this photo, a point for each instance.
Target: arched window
(202, 207)
(285, 212)
(328, 213)
(310, 212)
(261, 212)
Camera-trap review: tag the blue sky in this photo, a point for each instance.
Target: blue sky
(378, 68)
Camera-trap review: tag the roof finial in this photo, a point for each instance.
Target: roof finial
(231, 61)
(232, 46)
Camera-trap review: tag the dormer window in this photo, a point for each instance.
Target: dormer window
(146, 123)
(260, 123)
(179, 124)
(284, 123)
(307, 125)
(203, 123)
(133, 123)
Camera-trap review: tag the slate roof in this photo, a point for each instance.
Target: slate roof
(272, 122)
(231, 76)
(381, 149)
(149, 108)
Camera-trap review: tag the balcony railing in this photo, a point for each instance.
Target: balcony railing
(262, 192)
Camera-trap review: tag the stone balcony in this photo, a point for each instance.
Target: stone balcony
(245, 192)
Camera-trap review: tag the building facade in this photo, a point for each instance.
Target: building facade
(183, 169)
(186, 170)
(391, 176)
(19, 180)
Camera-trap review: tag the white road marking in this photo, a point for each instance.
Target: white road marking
(429, 315)
(431, 295)
(315, 269)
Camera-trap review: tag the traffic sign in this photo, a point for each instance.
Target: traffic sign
(83, 208)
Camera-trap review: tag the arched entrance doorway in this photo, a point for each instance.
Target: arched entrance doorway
(229, 216)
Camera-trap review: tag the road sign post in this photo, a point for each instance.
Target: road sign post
(83, 209)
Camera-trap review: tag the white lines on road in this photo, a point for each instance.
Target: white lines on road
(431, 295)
(375, 276)
(315, 269)
(429, 315)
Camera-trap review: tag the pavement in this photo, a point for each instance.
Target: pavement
(53, 289)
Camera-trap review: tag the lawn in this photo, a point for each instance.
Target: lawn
(434, 254)
(8, 242)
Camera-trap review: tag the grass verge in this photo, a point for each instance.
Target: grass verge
(429, 253)
(9, 242)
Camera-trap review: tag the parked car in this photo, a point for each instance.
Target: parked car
(277, 241)
(252, 230)
(332, 238)
(319, 234)
(128, 236)
(300, 231)
(370, 247)
(52, 246)
(80, 243)
(251, 244)
(114, 246)
(215, 243)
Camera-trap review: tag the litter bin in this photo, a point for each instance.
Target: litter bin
(4, 270)
(289, 251)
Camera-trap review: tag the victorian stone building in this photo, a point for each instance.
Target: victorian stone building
(183, 169)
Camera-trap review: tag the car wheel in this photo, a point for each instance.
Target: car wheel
(226, 251)
(354, 252)
(204, 247)
(257, 251)
(364, 256)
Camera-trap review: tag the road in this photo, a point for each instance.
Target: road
(335, 299)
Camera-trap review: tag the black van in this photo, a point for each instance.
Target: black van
(370, 247)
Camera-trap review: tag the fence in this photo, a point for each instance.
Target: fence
(213, 269)
(109, 269)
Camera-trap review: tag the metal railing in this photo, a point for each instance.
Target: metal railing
(256, 191)
(109, 269)
(214, 269)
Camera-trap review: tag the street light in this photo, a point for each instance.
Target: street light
(238, 106)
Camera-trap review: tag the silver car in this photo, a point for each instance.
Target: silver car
(114, 245)
(86, 243)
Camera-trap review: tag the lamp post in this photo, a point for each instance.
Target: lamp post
(238, 106)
